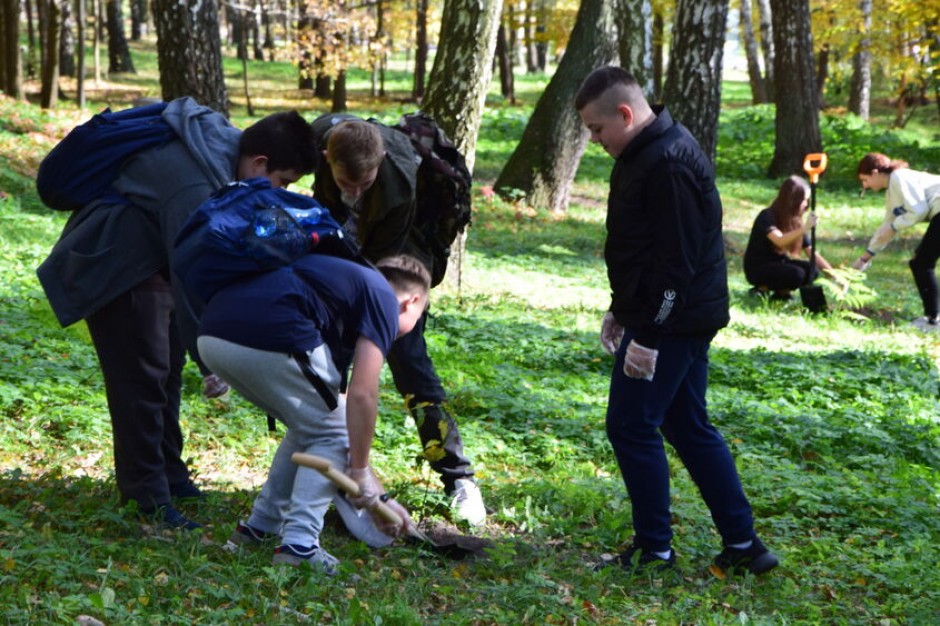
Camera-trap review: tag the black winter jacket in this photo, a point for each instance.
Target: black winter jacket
(664, 247)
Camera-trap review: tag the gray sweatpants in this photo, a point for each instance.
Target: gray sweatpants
(293, 499)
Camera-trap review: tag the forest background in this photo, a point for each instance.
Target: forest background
(832, 418)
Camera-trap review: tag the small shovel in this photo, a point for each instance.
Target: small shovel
(459, 547)
(812, 295)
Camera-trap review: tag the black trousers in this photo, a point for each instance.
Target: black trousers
(141, 356)
(923, 265)
(786, 274)
(417, 381)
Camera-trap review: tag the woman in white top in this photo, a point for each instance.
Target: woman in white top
(912, 197)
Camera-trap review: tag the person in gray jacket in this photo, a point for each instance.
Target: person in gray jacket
(113, 267)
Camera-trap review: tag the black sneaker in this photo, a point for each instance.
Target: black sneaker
(186, 491)
(166, 516)
(756, 559)
(245, 535)
(635, 560)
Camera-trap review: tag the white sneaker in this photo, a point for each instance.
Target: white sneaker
(926, 324)
(360, 524)
(467, 502)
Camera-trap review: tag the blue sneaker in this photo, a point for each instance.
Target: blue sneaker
(295, 556)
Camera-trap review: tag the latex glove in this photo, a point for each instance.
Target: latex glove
(861, 264)
(639, 361)
(611, 333)
(387, 527)
(369, 487)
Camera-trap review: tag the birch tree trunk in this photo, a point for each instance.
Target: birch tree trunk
(462, 70)
(693, 80)
(758, 88)
(860, 88)
(634, 19)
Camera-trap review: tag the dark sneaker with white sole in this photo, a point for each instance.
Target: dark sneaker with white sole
(245, 535)
(635, 560)
(756, 559)
(295, 556)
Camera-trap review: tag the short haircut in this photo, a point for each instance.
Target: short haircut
(406, 274)
(286, 139)
(356, 147)
(881, 162)
(603, 79)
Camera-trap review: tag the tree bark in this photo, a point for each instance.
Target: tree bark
(12, 67)
(49, 92)
(545, 161)
(504, 61)
(462, 70)
(119, 55)
(693, 80)
(659, 35)
(421, 49)
(756, 79)
(796, 123)
(67, 41)
(138, 19)
(339, 93)
(189, 52)
(767, 45)
(634, 19)
(81, 18)
(860, 87)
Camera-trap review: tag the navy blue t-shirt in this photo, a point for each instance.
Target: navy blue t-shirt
(315, 300)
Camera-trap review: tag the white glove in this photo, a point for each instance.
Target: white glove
(371, 494)
(809, 221)
(861, 264)
(611, 333)
(639, 362)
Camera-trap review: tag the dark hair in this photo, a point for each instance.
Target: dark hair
(286, 139)
(405, 273)
(877, 161)
(599, 81)
(785, 208)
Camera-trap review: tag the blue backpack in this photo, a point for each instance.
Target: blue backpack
(249, 227)
(82, 167)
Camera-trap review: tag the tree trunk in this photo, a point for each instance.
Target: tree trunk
(256, 20)
(138, 19)
(463, 67)
(67, 41)
(189, 52)
(796, 122)
(634, 19)
(421, 49)
(12, 67)
(531, 50)
(693, 80)
(756, 79)
(767, 45)
(339, 93)
(822, 75)
(119, 55)
(30, 40)
(81, 18)
(546, 159)
(504, 61)
(49, 92)
(860, 88)
(659, 36)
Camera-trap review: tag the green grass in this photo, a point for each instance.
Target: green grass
(832, 420)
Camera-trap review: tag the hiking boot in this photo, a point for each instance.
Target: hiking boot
(186, 491)
(295, 556)
(467, 502)
(360, 524)
(756, 559)
(166, 516)
(635, 560)
(245, 535)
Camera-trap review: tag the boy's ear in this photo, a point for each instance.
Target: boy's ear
(626, 113)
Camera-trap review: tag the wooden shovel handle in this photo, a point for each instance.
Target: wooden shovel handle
(342, 481)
